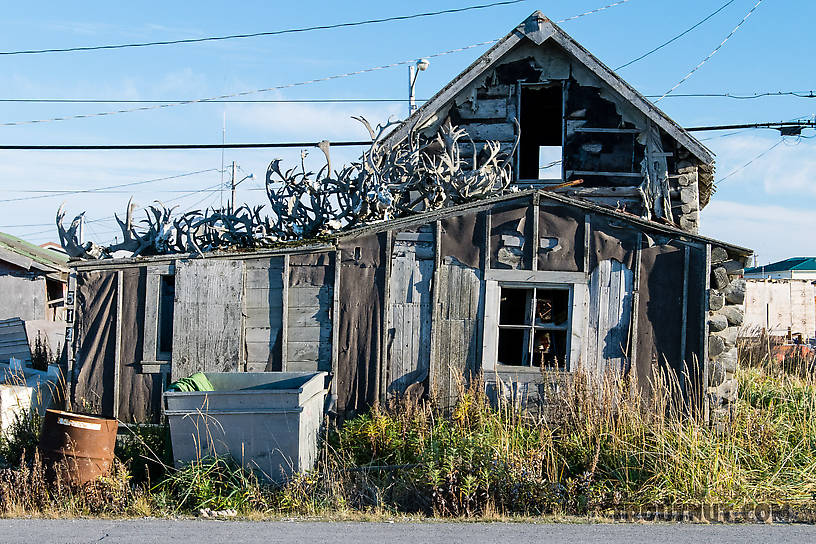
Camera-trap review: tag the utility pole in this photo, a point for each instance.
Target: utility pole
(413, 71)
(232, 186)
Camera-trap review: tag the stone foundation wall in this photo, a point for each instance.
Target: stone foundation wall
(726, 302)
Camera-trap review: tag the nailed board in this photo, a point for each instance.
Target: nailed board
(309, 327)
(458, 343)
(263, 307)
(207, 320)
(610, 312)
(409, 314)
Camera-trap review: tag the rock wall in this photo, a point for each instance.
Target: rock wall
(726, 300)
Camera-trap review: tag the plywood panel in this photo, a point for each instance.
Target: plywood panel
(778, 304)
(208, 322)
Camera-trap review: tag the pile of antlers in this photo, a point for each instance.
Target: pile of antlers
(417, 175)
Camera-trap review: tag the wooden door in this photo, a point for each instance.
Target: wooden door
(409, 313)
(610, 311)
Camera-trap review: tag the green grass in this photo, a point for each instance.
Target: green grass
(596, 449)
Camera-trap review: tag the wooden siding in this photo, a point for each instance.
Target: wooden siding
(458, 323)
(14, 341)
(207, 323)
(309, 328)
(610, 311)
(409, 314)
(263, 313)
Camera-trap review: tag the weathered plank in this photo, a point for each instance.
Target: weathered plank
(610, 310)
(207, 320)
(409, 314)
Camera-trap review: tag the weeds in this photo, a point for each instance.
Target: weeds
(596, 447)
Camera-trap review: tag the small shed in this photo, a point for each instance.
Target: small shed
(32, 297)
(514, 288)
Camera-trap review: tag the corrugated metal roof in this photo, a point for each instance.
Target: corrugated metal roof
(794, 263)
(48, 260)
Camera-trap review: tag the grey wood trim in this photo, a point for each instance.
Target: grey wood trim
(382, 368)
(242, 347)
(534, 244)
(335, 347)
(635, 304)
(414, 237)
(587, 238)
(564, 87)
(684, 322)
(540, 276)
(138, 262)
(488, 227)
(605, 174)
(608, 130)
(628, 92)
(155, 367)
(706, 381)
(72, 346)
(117, 354)
(433, 363)
(151, 316)
(285, 313)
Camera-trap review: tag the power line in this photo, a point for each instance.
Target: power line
(131, 184)
(737, 96)
(749, 162)
(350, 143)
(259, 34)
(228, 101)
(210, 189)
(702, 62)
(132, 147)
(291, 85)
(755, 125)
(664, 44)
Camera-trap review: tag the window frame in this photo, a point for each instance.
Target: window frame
(575, 282)
(539, 182)
(152, 361)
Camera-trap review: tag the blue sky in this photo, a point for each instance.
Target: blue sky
(766, 206)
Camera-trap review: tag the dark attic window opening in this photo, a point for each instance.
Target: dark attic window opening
(541, 145)
(534, 324)
(167, 294)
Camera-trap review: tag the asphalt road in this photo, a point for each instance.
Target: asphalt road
(148, 531)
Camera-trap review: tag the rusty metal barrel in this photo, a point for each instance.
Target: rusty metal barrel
(77, 447)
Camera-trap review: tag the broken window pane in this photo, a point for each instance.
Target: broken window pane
(515, 306)
(513, 346)
(552, 307)
(549, 350)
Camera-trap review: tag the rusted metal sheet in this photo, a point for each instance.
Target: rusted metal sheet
(77, 446)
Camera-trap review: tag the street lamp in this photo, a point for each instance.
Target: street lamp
(413, 71)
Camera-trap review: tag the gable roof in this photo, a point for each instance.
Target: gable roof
(538, 28)
(801, 264)
(29, 256)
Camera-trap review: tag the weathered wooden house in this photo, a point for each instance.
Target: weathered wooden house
(32, 292)
(607, 273)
